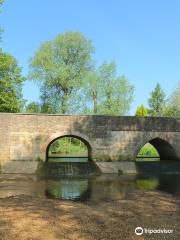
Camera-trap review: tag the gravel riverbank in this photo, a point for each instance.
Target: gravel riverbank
(29, 218)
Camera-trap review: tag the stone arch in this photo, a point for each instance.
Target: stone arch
(163, 147)
(77, 135)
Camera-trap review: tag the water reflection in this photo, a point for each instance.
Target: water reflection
(147, 184)
(73, 189)
(111, 187)
(92, 189)
(169, 183)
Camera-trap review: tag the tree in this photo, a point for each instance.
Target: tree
(33, 107)
(91, 92)
(10, 84)
(60, 66)
(173, 107)
(157, 101)
(141, 111)
(48, 100)
(117, 93)
(107, 93)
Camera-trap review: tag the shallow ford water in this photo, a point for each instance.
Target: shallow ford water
(92, 189)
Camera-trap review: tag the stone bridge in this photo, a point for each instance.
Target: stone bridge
(112, 141)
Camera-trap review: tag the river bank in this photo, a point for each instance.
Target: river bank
(30, 218)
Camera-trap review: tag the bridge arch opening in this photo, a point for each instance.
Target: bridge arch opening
(68, 148)
(157, 149)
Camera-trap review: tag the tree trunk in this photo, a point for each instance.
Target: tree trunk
(64, 101)
(95, 102)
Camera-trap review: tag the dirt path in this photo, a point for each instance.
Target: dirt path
(27, 218)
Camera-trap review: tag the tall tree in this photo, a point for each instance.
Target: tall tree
(157, 101)
(49, 100)
(10, 84)
(141, 111)
(91, 92)
(106, 92)
(173, 106)
(117, 93)
(108, 78)
(60, 65)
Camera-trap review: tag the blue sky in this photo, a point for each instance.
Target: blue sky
(143, 37)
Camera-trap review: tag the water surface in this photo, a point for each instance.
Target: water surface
(92, 189)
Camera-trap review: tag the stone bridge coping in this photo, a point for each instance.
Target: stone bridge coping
(88, 115)
(112, 123)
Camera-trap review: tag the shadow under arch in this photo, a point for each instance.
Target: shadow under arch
(163, 147)
(87, 144)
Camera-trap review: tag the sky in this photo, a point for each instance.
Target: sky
(142, 37)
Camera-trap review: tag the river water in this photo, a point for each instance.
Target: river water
(92, 189)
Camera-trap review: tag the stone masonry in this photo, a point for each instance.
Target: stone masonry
(112, 139)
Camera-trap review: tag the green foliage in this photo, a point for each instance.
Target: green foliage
(70, 83)
(10, 84)
(48, 100)
(68, 146)
(148, 151)
(157, 101)
(173, 107)
(106, 92)
(60, 66)
(33, 107)
(117, 93)
(141, 111)
(91, 90)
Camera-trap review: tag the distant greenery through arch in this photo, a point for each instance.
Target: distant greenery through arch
(148, 152)
(68, 149)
